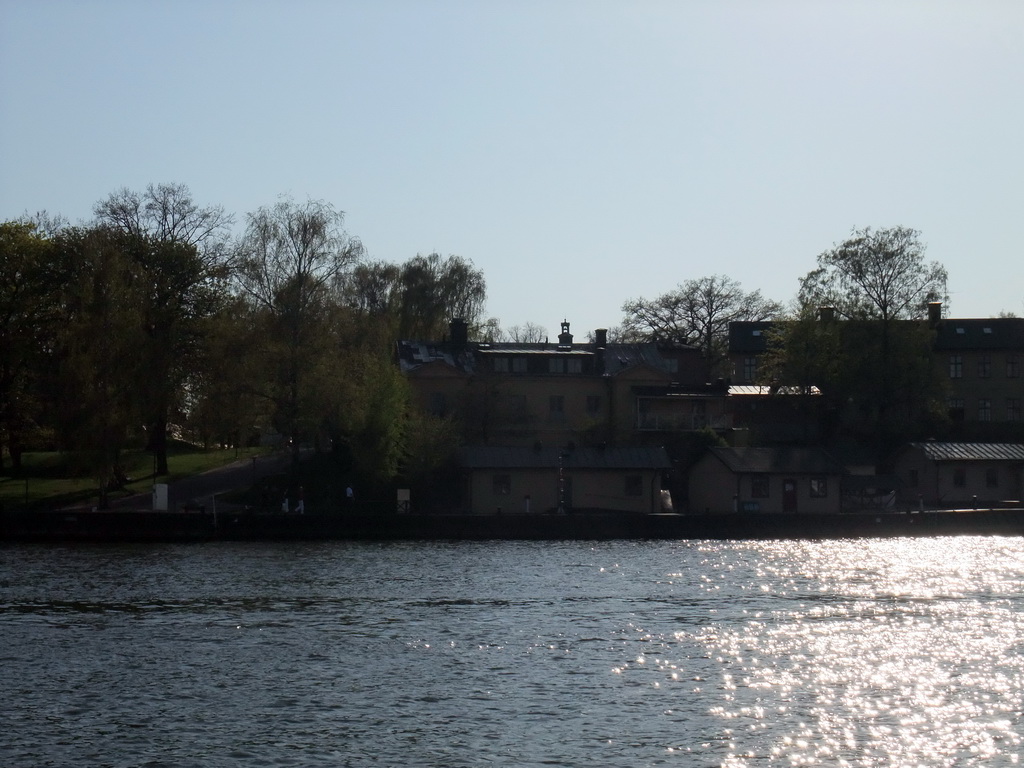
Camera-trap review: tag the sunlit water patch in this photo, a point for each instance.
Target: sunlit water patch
(860, 653)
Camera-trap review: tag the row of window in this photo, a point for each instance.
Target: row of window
(958, 410)
(984, 369)
(956, 367)
(760, 487)
(960, 477)
(501, 485)
(517, 364)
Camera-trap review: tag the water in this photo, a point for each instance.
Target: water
(898, 652)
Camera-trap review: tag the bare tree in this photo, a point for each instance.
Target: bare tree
(165, 212)
(698, 312)
(876, 274)
(527, 333)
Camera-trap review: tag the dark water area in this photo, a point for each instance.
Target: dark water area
(878, 652)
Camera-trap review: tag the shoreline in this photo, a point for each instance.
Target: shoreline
(140, 526)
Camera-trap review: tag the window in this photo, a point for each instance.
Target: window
(956, 409)
(593, 405)
(984, 409)
(819, 487)
(1013, 409)
(565, 365)
(915, 478)
(759, 487)
(991, 477)
(749, 368)
(956, 366)
(438, 404)
(634, 485)
(984, 366)
(959, 477)
(501, 365)
(519, 364)
(517, 412)
(502, 485)
(672, 364)
(556, 407)
(1012, 367)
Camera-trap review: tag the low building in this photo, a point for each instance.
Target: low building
(767, 480)
(960, 475)
(545, 480)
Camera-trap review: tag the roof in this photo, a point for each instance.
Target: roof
(616, 357)
(805, 461)
(505, 457)
(748, 390)
(971, 451)
(980, 333)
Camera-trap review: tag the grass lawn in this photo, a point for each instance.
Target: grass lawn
(46, 478)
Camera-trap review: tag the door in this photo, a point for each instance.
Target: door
(789, 495)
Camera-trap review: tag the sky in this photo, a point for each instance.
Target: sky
(581, 153)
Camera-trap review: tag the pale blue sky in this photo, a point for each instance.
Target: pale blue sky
(579, 153)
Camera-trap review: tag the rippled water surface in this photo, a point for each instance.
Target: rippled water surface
(900, 652)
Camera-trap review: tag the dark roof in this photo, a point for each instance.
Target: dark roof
(971, 451)
(985, 333)
(504, 457)
(617, 357)
(1002, 333)
(804, 461)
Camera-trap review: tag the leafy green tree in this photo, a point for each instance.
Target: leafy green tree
(179, 248)
(96, 358)
(871, 355)
(419, 298)
(697, 313)
(26, 320)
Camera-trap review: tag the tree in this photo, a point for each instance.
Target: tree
(166, 212)
(860, 335)
(180, 250)
(697, 313)
(95, 356)
(528, 333)
(434, 291)
(876, 274)
(290, 260)
(26, 320)
(419, 298)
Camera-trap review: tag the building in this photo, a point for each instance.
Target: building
(977, 360)
(980, 359)
(546, 480)
(960, 475)
(768, 480)
(566, 392)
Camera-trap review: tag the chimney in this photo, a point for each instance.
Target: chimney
(565, 338)
(459, 330)
(600, 342)
(934, 313)
(826, 314)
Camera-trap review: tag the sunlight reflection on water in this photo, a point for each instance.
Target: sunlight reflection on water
(859, 653)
